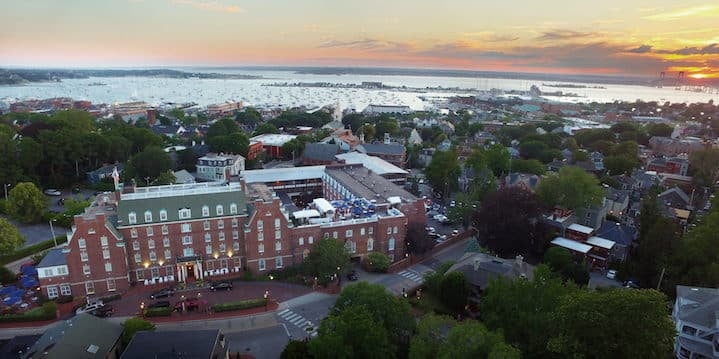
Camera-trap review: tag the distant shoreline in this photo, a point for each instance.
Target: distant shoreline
(23, 76)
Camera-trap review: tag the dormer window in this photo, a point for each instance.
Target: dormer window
(148, 216)
(233, 208)
(132, 218)
(219, 209)
(205, 211)
(185, 213)
(163, 215)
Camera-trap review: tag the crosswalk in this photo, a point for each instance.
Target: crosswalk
(412, 275)
(299, 321)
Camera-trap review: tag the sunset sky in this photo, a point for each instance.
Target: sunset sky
(634, 37)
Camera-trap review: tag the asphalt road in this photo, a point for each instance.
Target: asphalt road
(263, 343)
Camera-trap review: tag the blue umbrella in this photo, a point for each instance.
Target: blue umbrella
(7, 290)
(29, 270)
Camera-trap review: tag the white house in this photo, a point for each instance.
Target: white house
(696, 315)
(219, 167)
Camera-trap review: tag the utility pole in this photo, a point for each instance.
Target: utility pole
(661, 277)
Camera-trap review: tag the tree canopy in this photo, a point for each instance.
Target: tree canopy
(325, 257)
(443, 172)
(147, 166)
(572, 189)
(26, 203)
(10, 238)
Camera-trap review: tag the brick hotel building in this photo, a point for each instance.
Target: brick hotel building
(187, 232)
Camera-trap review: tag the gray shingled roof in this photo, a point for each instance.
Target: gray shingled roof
(321, 151)
(172, 344)
(82, 336)
(700, 305)
(54, 257)
(390, 149)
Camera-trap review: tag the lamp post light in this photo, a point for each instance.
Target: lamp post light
(339, 276)
(142, 309)
(267, 298)
(52, 231)
(6, 185)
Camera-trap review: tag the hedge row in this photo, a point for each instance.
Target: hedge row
(28, 251)
(48, 311)
(158, 312)
(243, 304)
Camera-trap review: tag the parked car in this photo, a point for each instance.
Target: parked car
(160, 304)
(612, 274)
(224, 285)
(430, 229)
(90, 307)
(190, 304)
(455, 232)
(52, 192)
(164, 292)
(103, 312)
(352, 275)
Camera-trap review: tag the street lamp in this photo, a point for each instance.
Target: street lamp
(142, 309)
(52, 230)
(6, 185)
(267, 298)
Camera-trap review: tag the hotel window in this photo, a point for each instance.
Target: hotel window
(208, 237)
(148, 216)
(220, 210)
(370, 245)
(186, 227)
(205, 211)
(260, 225)
(81, 243)
(310, 240)
(103, 241)
(233, 208)
(133, 232)
(169, 270)
(351, 246)
(370, 230)
(151, 244)
(132, 218)
(105, 253)
(334, 234)
(168, 254)
(261, 264)
(166, 242)
(163, 215)
(278, 234)
(111, 285)
(394, 230)
(136, 245)
(138, 258)
(389, 230)
(108, 267)
(278, 246)
(234, 223)
(236, 246)
(206, 225)
(208, 249)
(391, 244)
(362, 231)
(83, 256)
(277, 223)
(278, 262)
(348, 233)
(235, 235)
(52, 292)
(223, 248)
(187, 240)
(261, 248)
(62, 270)
(48, 272)
(140, 274)
(185, 213)
(89, 288)
(155, 272)
(221, 236)
(165, 229)
(302, 241)
(85, 269)
(220, 224)
(260, 236)
(65, 289)
(188, 252)
(150, 231)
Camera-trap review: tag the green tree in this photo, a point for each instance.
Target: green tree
(264, 128)
(249, 117)
(454, 289)
(431, 335)
(378, 262)
(147, 165)
(704, 166)
(351, 333)
(26, 203)
(694, 263)
(572, 189)
(471, 339)
(617, 165)
(529, 166)
(443, 172)
(522, 310)
(188, 159)
(633, 324)
(166, 177)
(498, 159)
(133, 325)
(324, 259)
(659, 129)
(418, 242)
(558, 259)
(10, 238)
(296, 349)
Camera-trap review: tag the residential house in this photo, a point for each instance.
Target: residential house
(320, 154)
(96, 176)
(696, 315)
(524, 180)
(184, 177)
(593, 216)
(219, 167)
(623, 237)
(617, 203)
(414, 138)
(673, 165)
(82, 336)
(393, 153)
(675, 198)
(272, 143)
(196, 344)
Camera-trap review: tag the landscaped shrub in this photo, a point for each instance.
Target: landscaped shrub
(378, 262)
(110, 298)
(7, 276)
(64, 299)
(243, 304)
(48, 311)
(158, 312)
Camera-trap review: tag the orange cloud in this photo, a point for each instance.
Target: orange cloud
(706, 10)
(210, 5)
